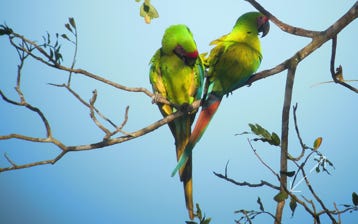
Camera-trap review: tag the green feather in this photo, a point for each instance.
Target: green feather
(235, 57)
(177, 73)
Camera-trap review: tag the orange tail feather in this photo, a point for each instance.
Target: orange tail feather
(210, 106)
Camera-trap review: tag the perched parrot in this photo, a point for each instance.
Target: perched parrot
(235, 57)
(177, 74)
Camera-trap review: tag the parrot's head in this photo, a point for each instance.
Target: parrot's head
(179, 40)
(253, 22)
(263, 25)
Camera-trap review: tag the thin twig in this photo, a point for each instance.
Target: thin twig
(120, 128)
(318, 39)
(38, 163)
(303, 146)
(93, 117)
(79, 98)
(245, 183)
(9, 160)
(283, 26)
(316, 219)
(262, 161)
(338, 214)
(74, 57)
(47, 61)
(317, 197)
(97, 145)
(337, 75)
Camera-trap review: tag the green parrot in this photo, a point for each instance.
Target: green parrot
(235, 57)
(177, 74)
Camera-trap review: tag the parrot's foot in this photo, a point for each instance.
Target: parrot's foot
(186, 108)
(157, 98)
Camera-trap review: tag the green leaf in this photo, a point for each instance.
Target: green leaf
(48, 38)
(263, 132)
(317, 143)
(243, 133)
(275, 139)
(330, 163)
(293, 205)
(290, 173)
(198, 211)
(260, 203)
(72, 22)
(64, 36)
(317, 169)
(67, 25)
(355, 198)
(281, 196)
(148, 11)
(252, 127)
(51, 53)
(5, 30)
(258, 130)
(2, 32)
(206, 221)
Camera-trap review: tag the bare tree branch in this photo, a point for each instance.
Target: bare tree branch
(245, 183)
(99, 125)
(303, 146)
(26, 48)
(79, 98)
(337, 75)
(283, 26)
(49, 62)
(14, 166)
(104, 143)
(318, 39)
(284, 136)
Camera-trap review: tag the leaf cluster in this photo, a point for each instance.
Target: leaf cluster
(54, 47)
(264, 135)
(249, 215)
(354, 206)
(5, 30)
(148, 11)
(199, 215)
(322, 163)
(70, 26)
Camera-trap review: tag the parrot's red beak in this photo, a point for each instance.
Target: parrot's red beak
(193, 54)
(263, 25)
(188, 57)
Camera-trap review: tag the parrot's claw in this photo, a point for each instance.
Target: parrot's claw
(157, 98)
(186, 108)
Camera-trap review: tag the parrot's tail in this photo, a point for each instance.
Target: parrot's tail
(186, 178)
(210, 106)
(182, 134)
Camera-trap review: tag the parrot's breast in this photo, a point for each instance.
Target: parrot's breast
(234, 67)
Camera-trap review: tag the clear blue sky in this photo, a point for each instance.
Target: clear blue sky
(130, 182)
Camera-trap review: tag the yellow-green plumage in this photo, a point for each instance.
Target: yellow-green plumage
(235, 57)
(177, 74)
